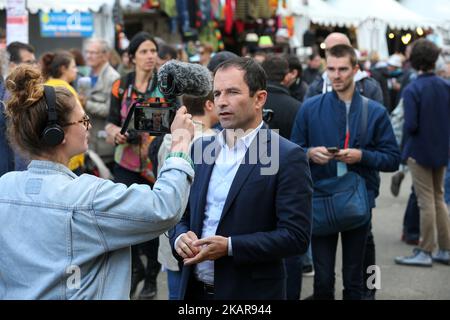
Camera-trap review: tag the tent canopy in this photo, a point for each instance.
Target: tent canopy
(67, 5)
(433, 10)
(355, 12)
(389, 11)
(318, 12)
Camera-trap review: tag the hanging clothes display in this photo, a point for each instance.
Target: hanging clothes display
(169, 7)
(254, 9)
(212, 35)
(230, 8)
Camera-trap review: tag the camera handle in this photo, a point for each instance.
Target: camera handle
(128, 118)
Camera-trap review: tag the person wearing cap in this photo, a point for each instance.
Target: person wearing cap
(395, 63)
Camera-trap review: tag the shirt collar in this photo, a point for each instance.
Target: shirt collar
(43, 165)
(246, 140)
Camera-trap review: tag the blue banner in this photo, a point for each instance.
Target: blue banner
(63, 24)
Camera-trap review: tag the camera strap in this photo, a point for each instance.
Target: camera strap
(128, 87)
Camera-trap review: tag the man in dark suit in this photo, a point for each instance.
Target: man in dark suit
(250, 203)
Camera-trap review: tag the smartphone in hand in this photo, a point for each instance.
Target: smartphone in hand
(333, 150)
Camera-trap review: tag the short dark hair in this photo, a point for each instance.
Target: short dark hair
(313, 55)
(343, 50)
(14, 48)
(254, 75)
(195, 105)
(294, 63)
(424, 55)
(137, 40)
(166, 50)
(276, 67)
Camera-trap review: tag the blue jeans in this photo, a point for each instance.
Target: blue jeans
(324, 257)
(173, 280)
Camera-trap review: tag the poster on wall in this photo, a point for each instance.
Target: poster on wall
(63, 24)
(16, 21)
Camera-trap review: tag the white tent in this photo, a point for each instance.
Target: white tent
(437, 11)
(67, 5)
(316, 11)
(391, 12)
(372, 19)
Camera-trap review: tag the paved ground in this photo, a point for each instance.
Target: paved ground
(397, 282)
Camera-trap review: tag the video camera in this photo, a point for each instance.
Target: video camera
(174, 79)
(152, 117)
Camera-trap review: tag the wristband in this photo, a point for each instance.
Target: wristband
(181, 155)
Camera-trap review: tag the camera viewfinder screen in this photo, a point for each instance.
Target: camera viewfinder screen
(154, 120)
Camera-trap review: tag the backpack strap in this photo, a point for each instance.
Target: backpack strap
(126, 85)
(364, 119)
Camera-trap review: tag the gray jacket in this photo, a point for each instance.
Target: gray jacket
(97, 107)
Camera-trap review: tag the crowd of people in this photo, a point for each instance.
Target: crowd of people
(225, 203)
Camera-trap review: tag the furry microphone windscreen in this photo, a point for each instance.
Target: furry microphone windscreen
(176, 78)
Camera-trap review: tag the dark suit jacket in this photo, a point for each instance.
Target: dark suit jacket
(268, 218)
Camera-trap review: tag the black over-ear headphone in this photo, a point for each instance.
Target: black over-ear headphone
(53, 134)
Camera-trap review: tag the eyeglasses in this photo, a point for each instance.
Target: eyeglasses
(93, 53)
(85, 121)
(30, 62)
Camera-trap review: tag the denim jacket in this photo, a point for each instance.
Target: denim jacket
(69, 237)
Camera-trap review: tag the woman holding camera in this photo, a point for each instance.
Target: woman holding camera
(131, 154)
(69, 237)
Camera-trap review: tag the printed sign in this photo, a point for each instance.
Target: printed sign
(63, 24)
(16, 21)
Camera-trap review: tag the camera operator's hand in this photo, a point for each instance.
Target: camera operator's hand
(120, 138)
(114, 136)
(182, 130)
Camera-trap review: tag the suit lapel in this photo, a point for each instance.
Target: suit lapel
(246, 168)
(204, 175)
